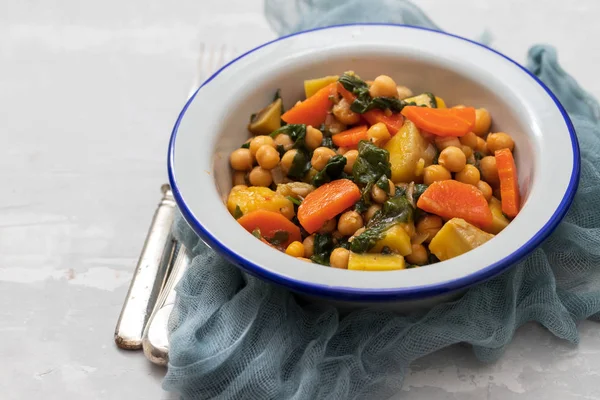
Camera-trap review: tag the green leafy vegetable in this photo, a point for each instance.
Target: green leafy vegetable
(256, 233)
(332, 171)
(245, 145)
(386, 250)
(323, 246)
(411, 266)
(296, 132)
(280, 149)
(279, 238)
(364, 102)
(418, 191)
(238, 212)
(371, 164)
(294, 200)
(394, 211)
(300, 164)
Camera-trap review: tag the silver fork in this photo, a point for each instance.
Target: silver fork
(155, 341)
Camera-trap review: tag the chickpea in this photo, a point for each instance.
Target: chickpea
(459, 106)
(351, 157)
(328, 227)
(469, 174)
(304, 259)
(453, 159)
(383, 86)
(309, 246)
(295, 249)
(283, 140)
(313, 138)
(371, 212)
(418, 256)
(485, 189)
(408, 227)
(378, 134)
(259, 141)
(238, 178)
(434, 173)
(467, 150)
(403, 92)
(489, 170)
(441, 142)
(483, 120)
(344, 114)
(481, 146)
(288, 211)
(349, 222)
(429, 225)
(499, 141)
(339, 258)
(237, 188)
(287, 160)
(378, 194)
(260, 177)
(320, 157)
(241, 160)
(267, 157)
(470, 139)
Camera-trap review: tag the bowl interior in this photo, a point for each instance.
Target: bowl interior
(422, 74)
(213, 123)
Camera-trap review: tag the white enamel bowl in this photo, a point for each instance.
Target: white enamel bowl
(214, 120)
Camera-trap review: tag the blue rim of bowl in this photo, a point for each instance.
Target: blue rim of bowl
(386, 294)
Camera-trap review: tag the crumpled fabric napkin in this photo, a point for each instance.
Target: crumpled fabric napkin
(236, 337)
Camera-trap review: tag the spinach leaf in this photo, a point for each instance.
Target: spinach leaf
(332, 171)
(238, 212)
(280, 149)
(386, 250)
(294, 200)
(256, 233)
(394, 211)
(322, 248)
(371, 164)
(282, 111)
(363, 204)
(433, 259)
(364, 102)
(245, 145)
(296, 132)
(300, 164)
(279, 238)
(420, 188)
(411, 266)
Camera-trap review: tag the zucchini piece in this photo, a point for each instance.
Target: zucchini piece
(266, 120)
(457, 237)
(375, 262)
(424, 99)
(312, 86)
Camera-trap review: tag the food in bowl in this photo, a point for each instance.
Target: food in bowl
(365, 175)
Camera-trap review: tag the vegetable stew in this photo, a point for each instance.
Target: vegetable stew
(365, 175)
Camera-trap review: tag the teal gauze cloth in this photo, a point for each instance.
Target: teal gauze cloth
(236, 337)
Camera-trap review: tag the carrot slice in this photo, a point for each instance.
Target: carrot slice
(313, 110)
(441, 121)
(326, 202)
(346, 94)
(350, 137)
(393, 122)
(452, 199)
(270, 223)
(509, 182)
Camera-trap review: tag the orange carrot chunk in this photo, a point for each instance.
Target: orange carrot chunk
(271, 224)
(313, 110)
(452, 199)
(392, 122)
(326, 202)
(350, 137)
(441, 121)
(509, 182)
